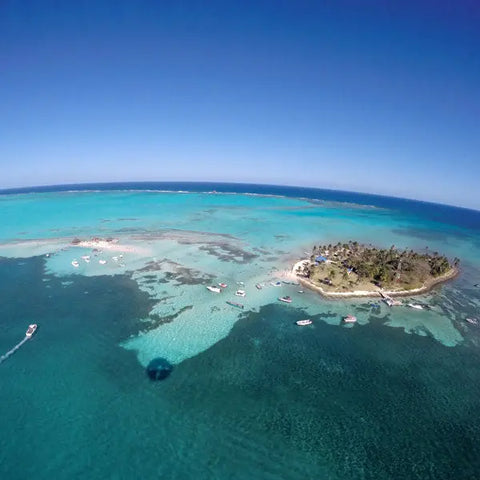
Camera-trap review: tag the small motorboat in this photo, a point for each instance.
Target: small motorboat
(31, 330)
(259, 286)
(240, 293)
(102, 262)
(235, 304)
(350, 319)
(301, 291)
(75, 263)
(413, 305)
(472, 321)
(301, 323)
(214, 289)
(276, 284)
(223, 285)
(391, 302)
(86, 258)
(285, 299)
(240, 283)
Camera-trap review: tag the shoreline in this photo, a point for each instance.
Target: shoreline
(378, 292)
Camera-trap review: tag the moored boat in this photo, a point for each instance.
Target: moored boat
(223, 285)
(472, 321)
(235, 304)
(259, 286)
(102, 262)
(413, 305)
(214, 289)
(391, 302)
(285, 299)
(86, 258)
(301, 323)
(350, 319)
(75, 263)
(276, 284)
(31, 330)
(240, 293)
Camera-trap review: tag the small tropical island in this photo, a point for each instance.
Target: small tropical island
(353, 269)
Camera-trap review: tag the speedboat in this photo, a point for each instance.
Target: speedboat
(286, 299)
(413, 305)
(31, 330)
(223, 285)
(240, 293)
(301, 323)
(235, 304)
(473, 321)
(214, 289)
(75, 263)
(349, 319)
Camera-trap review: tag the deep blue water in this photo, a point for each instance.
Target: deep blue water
(268, 401)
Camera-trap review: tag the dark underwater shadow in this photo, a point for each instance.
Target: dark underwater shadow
(159, 369)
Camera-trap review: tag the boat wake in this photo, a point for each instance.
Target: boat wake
(13, 350)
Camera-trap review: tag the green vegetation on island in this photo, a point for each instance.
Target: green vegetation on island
(352, 267)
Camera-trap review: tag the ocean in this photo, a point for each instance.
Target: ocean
(138, 371)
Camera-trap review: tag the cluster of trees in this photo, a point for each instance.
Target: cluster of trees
(383, 266)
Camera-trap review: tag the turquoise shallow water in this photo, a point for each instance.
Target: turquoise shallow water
(248, 395)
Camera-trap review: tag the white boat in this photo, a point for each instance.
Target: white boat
(349, 319)
(31, 330)
(102, 262)
(286, 299)
(240, 293)
(75, 263)
(473, 321)
(214, 289)
(413, 305)
(115, 259)
(301, 323)
(391, 302)
(86, 258)
(300, 291)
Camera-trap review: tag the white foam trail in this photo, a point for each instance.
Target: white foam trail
(13, 350)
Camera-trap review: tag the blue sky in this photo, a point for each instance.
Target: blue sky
(371, 96)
